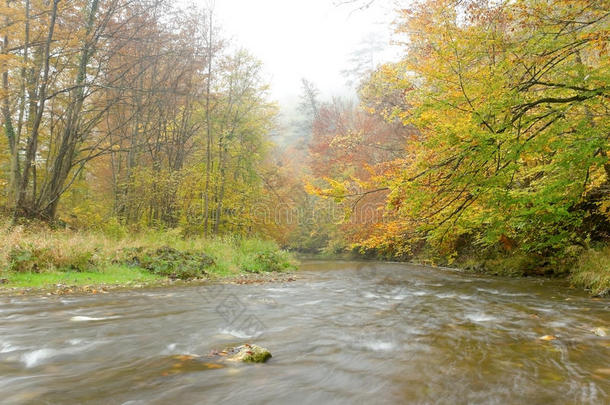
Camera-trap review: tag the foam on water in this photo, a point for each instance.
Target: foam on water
(7, 347)
(480, 317)
(34, 358)
(170, 349)
(90, 319)
(379, 345)
(237, 333)
(310, 303)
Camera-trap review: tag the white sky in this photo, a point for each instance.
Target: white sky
(302, 38)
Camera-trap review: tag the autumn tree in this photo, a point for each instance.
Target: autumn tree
(137, 112)
(56, 84)
(510, 104)
(156, 121)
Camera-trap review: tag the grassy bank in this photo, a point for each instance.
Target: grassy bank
(37, 257)
(592, 271)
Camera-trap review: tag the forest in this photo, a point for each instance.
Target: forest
(485, 146)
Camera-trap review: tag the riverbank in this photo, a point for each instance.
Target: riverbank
(64, 261)
(584, 269)
(59, 284)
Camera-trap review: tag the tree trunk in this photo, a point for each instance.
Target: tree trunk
(221, 193)
(208, 168)
(23, 208)
(49, 197)
(9, 128)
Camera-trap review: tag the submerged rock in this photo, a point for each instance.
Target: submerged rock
(248, 354)
(181, 364)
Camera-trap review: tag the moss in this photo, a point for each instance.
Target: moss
(249, 354)
(513, 264)
(257, 357)
(587, 269)
(516, 265)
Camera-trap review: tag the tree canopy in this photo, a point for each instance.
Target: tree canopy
(505, 109)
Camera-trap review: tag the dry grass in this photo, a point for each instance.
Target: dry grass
(39, 249)
(36, 249)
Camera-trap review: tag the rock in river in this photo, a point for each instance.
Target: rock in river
(248, 354)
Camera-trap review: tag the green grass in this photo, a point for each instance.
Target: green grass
(112, 275)
(37, 257)
(592, 271)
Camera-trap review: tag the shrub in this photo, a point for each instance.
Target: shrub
(263, 257)
(33, 259)
(113, 229)
(169, 262)
(27, 259)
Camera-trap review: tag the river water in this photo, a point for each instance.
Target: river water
(344, 332)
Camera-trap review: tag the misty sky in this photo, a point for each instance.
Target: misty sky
(302, 38)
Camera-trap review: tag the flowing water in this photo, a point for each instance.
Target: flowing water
(344, 332)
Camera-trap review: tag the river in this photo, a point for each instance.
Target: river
(344, 332)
